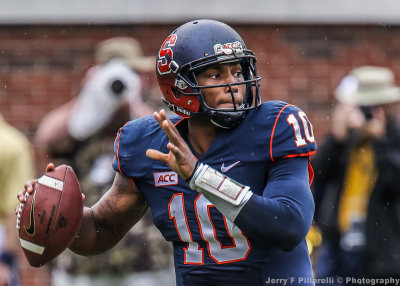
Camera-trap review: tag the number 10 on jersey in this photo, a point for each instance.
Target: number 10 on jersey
(221, 254)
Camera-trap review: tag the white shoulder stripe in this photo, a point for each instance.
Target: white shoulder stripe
(51, 182)
(31, 246)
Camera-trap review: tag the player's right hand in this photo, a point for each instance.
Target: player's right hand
(180, 158)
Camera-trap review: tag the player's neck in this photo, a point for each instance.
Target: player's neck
(201, 133)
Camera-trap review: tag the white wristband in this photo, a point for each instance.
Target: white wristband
(207, 179)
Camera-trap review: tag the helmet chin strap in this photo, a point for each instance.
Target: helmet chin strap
(226, 120)
(222, 119)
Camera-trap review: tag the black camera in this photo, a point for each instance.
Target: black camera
(367, 112)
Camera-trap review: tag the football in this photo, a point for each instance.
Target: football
(50, 217)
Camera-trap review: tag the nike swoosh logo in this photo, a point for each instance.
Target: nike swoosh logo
(31, 229)
(227, 168)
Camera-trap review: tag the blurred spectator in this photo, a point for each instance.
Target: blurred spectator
(81, 133)
(16, 166)
(356, 189)
(111, 87)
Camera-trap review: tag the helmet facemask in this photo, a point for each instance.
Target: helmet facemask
(187, 85)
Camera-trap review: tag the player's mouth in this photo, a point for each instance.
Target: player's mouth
(229, 105)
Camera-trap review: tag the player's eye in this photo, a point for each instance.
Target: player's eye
(238, 74)
(215, 76)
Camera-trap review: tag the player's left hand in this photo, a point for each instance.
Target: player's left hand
(180, 158)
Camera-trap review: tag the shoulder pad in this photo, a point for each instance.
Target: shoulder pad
(292, 133)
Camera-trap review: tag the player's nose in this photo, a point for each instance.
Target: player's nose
(231, 87)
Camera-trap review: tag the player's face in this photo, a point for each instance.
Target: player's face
(221, 97)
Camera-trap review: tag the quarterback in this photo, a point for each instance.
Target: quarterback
(227, 178)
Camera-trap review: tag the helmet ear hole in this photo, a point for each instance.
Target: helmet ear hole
(175, 93)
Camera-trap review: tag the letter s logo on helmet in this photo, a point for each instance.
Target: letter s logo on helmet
(193, 47)
(165, 55)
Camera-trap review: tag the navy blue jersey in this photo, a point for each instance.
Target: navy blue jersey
(208, 248)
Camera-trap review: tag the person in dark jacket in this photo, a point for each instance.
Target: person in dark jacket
(356, 191)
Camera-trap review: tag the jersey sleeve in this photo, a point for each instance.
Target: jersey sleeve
(130, 146)
(287, 198)
(292, 133)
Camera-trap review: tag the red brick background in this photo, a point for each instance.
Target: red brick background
(41, 66)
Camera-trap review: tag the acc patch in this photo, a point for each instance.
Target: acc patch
(165, 179)
(228, 48)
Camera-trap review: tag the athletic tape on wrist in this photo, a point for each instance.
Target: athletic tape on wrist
(207, 179)
(194, 171)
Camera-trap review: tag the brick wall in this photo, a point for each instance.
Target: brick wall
(41, 66)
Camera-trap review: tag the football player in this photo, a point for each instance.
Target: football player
(227, 178)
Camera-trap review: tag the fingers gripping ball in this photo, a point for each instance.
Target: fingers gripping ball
(50, 217)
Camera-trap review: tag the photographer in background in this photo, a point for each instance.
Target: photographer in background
(110, 95)
(81, 133)
(356, 189)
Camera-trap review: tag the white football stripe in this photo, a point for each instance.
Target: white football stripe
(51, 182)
(31, 246)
